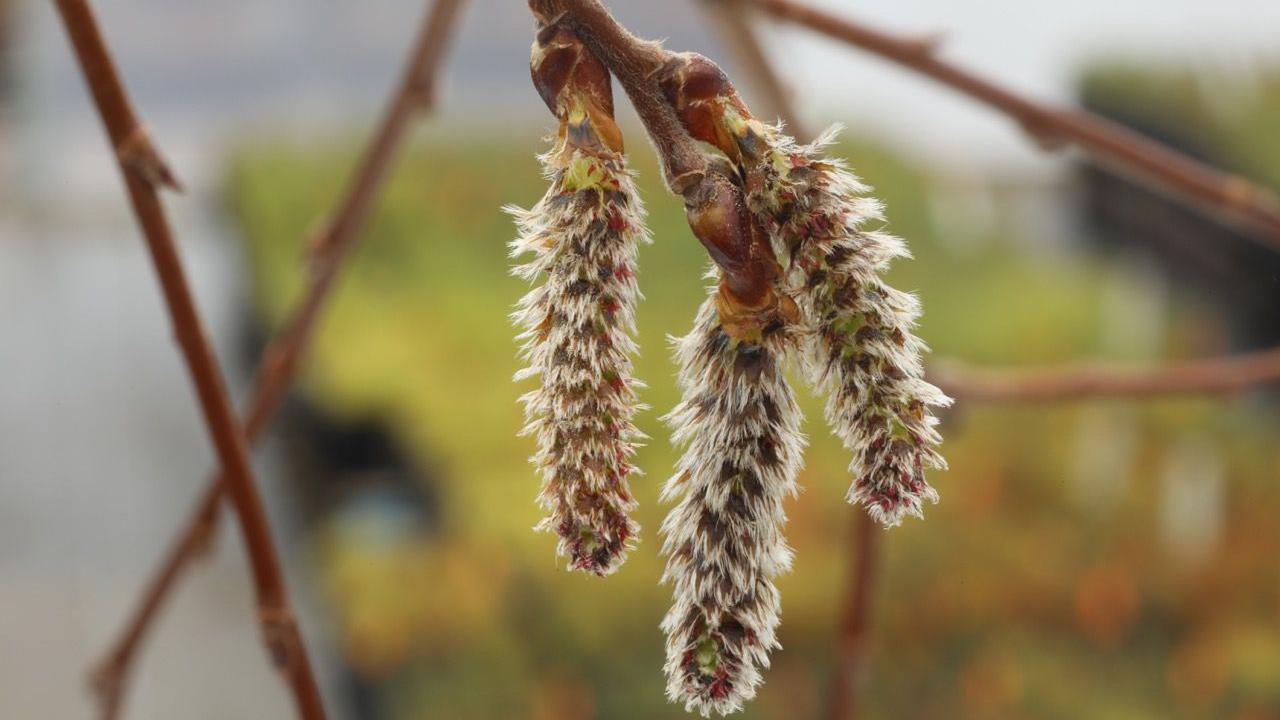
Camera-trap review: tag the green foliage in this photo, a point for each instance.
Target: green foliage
(1043, 585)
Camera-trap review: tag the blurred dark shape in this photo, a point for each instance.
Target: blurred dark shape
(331, 461)
(352, 480)
(1221, 266)
(334, 464)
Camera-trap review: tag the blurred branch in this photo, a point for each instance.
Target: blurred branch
(280, 361)
(1077, 382)
(850, 670)
(738, 33)
(144, 173)
(1231, 197)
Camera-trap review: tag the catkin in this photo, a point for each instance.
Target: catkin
(861, 351)
(578, 325)
(740, 428)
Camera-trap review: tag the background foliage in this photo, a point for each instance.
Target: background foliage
(1073, 569)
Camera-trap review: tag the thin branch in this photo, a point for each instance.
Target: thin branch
(713, 201)
(636, 64)
(282, 358)
(741, 37)
(855, 625)
(1231, 197)
(144, 173)
(1078, 382)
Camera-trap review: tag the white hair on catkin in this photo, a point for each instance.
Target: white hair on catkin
(578, 329)
(740, 428)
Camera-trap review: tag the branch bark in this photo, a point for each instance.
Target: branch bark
(636, 64)
(1078, 382)
(144, 173)
(281, 360)
(1230, 197)
(713, 201)
(855, 625)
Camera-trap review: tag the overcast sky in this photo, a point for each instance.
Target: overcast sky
(204, 70)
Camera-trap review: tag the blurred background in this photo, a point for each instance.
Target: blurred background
(1103, 559)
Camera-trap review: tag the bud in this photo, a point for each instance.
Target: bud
(719, 218)
(706, 102)
(577, 89)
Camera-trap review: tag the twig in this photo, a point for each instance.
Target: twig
(1229, 196)
(855, 625)
(281, 360)
(713, 202)
(144, 173)
(743, 40)
(1078, 382)
(636, 64)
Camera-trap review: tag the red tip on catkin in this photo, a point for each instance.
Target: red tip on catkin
(579, 322)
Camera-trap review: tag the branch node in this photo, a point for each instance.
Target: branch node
(1044, 133)
(927, 44)
(106, 681)
(138, 153)
(280, 633)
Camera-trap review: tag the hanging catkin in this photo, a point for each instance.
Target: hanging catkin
(578, 324)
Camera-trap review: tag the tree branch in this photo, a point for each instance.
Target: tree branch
(741, 37)
(855, 626)
(1078, 382)
(714, 202)
(1230, 197)
(636, 64)
(144, 172)
(281, 360)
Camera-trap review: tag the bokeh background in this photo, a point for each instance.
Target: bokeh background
(1102, 559)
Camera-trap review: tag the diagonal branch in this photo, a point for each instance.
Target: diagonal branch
(282, 358)
(1230, 197)
(849, 672)
(144, 173)
(742, 38)
(1078, 382)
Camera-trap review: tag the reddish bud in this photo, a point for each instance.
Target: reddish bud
(701, 94)
(568, 76)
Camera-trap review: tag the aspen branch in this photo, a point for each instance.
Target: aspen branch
(849, 671)
(1230, 197)
(636, 64)
(714, 202)
(281, 360)
(741, 37)
(144, 173)
(1211, 376)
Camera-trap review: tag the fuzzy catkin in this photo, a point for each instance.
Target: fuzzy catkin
(861, 351)
(740, 427)
(578, 329)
